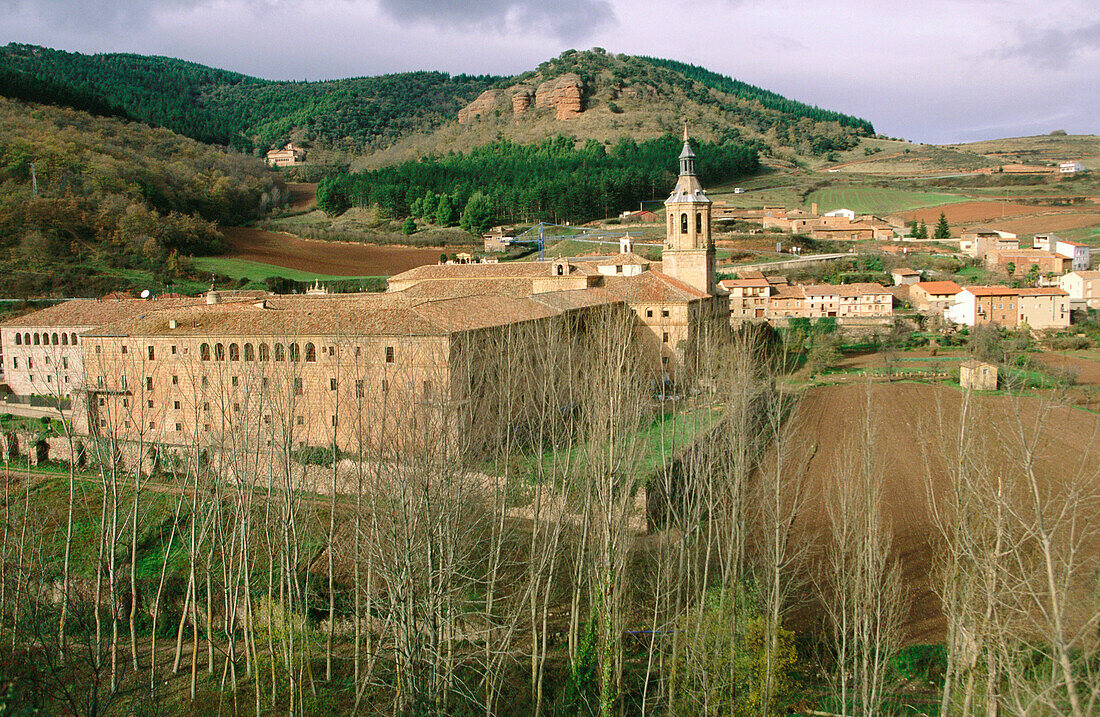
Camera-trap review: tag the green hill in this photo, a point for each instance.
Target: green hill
(391, 118)
(117, 203)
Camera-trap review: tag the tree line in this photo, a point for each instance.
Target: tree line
(556, 179)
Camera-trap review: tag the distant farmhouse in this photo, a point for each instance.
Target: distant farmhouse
(1070, 167)
(288, 156)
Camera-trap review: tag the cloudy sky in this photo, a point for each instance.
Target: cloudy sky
(927, 70)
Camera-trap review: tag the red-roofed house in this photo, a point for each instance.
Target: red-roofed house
(933, 296)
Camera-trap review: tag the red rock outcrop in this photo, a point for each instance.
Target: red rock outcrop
(485, 103)
(563, 94)
(522, 97)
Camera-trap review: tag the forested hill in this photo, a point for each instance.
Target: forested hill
(117, 204)
(227, 108)
(388, 119)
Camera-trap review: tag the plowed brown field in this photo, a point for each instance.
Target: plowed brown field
(912, 426)
(324, 257)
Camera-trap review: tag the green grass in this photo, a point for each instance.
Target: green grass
(257, 271)
(877, 200)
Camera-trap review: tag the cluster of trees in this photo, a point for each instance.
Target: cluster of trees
(408, 579)
(230, 109)
(108, 195)
(555, 179)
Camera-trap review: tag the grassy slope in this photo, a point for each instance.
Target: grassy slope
(257, 271)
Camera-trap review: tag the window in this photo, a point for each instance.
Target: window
(18, 339)
(175, 380)
(334, 421)
(427, 389)
(124, 348)
(297, 387)
(31, 377)
(385, 385)
(102, 401)
(264, 353)
(279, 353)
(300, 420)
(152, 425)
(173, 350)
(236, 408)
(179, 427)
(122, 382)
(206, 405)
(267, 420)
(233, 380)
(618, 268)
(176, 405)
(148, 383)
(332, 384)
(561, 270)
(98, 348)
(125, 403)
(205, 380)
(73, 339)
(219, 352)
(359, 388)
(664, 360)
(389, 354)
(64, 362)
(649, 313)
(664, 337)
(249, 353)
(357, 351)
(295, 354)
(263, 383)
(149, 403)
(698, 222)
(204, 352)
(47, 360)
(152, 353)
(311, 353)
(664, 313)
(15, 362)
(36, 339)
(100, 380)
(234, 352)
(684, 223)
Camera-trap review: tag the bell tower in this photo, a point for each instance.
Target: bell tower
(689, 250)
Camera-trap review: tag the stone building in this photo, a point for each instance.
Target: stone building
(979, 376)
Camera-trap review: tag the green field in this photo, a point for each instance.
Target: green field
(241, 269)
(878, 200)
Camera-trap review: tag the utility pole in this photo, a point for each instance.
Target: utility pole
(34, 182)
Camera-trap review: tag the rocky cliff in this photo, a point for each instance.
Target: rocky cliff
(563, 94)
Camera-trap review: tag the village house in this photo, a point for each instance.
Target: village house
(977, 242)
(1070, 167)
(748, 295)
(1037, 308)
(1021, 262)
(643, 216)
(904, 276)
(933, 296)
(977, 375)
(841, 301)
(288, 156)
(1079, 254)
(1083, 288)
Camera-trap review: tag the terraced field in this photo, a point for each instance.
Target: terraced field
(878, 200)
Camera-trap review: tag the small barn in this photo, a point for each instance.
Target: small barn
(978, 375)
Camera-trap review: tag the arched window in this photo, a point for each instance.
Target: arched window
(698, 222)
(279, 354)
(295, 354)
(234, 352)
(671, 218)
(219, 352)
(64, 339)
(265, 353)
(19, 339)
(53, 339)
(204, 352)
(684, 223)
(249, 353)
(311, 353)
(73, 339)
(36, 339)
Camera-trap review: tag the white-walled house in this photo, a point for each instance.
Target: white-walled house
(846, 213)
(1078, 253)
(1071, 167)
(1083, 287)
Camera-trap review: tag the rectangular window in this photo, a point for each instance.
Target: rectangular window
(64, 362)
(427, 389)
(236, 407)
(206, 405)
(332, 384)
(385, 385)
(102, 401)
(357, 351)
(149, 403)
(124, 348)
(664, 359)
(175, 380)
(664, 337)
(359, 388)
(125, 403)
(176, 405)
(148, 383)
(15, 363)
(152, 425)
(297, 387)
(301, 420)
(204, 381)
(664, 313)
(99, 381)
(334, 420)
(122, 382)
(234, 381)
(179, 426)
(173, 353)
(152, 353)
(389, 354)
(267, 420)
(30, 362)
(263, 383)
(97, 348)
(649, 313)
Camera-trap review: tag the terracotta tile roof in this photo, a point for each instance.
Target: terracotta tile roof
(938, 287)
(651, 286)
(1042, 291)
(845, 290)
(906, 272)
(751, 274)
(732, 283)
(1087, 274)
(501, 286)
(513, 269)
(90, 313)
(998, 290)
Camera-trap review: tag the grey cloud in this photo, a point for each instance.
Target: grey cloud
(567, 20)
(1055, 48)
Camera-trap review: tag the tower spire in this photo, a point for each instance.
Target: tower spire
(685, 132)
